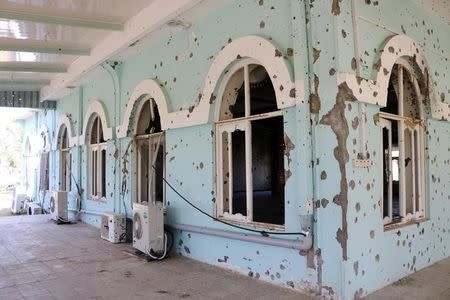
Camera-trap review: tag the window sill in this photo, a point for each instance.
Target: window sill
(255, 225)
(402, 224)
(97, 199)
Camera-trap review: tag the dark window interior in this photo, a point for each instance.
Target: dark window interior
(392, 108)
(267, 154)
(147, 125)
(263, 99)
(103, 173)
(97, 130)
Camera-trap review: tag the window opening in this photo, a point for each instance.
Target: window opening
(250, 150)
(150, 155)
(402, 123)
(65, 162)
(97, 161)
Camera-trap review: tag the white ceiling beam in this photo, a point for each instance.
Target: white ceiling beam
(33, 67)
(38, 46)
(158, 13)
(30, 16)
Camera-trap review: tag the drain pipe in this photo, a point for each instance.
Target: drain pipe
(303, 244)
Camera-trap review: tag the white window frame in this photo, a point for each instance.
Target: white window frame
(95, 160)
(155, 142)
(230, 126)
(417, 131)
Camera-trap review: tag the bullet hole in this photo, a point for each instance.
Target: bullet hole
(344, 34)
(358, 207)
(292, 93)
(372, 234)
(316, 54)
(353, 64)
(356, 267)
(332, 71)
(336, 8)
(262, 24)
(224, 260)
(278, 53)
(323, 175)
(355, 123)
(290, 52)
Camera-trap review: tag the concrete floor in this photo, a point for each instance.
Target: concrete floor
(40, 260)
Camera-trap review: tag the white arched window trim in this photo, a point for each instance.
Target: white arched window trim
(147, 89)
(375, 91)
(64, 120)
(96, 108)
(258, 49)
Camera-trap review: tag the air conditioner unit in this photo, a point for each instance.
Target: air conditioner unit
(113, 228)
(58, 206)
(148, 228)
(18, 202)
(33, 208)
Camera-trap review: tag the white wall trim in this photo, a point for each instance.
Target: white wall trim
(258, 49)
(73, 139)
(147, 89)
(96, 107)
(375, 91)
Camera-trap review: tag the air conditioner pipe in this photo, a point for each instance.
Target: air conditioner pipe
(305, 243)
(87, 212)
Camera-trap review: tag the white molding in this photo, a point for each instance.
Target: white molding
(73, 139)
(96, 107)
(147, 89)
(254, 47)
(375, 91)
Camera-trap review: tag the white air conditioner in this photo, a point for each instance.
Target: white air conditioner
(58, 206)
(18, 202)
(148, 228)
(113, 228)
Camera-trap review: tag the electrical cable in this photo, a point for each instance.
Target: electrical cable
(262, 232)
(165, 251)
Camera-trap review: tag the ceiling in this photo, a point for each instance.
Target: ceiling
(52, 43)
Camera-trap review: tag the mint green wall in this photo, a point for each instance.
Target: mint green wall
(352, 255)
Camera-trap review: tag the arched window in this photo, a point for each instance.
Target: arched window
(402, 123)
(250, 149)
(65, 161)
(44, 184)
(150, 155)
(97, 161)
